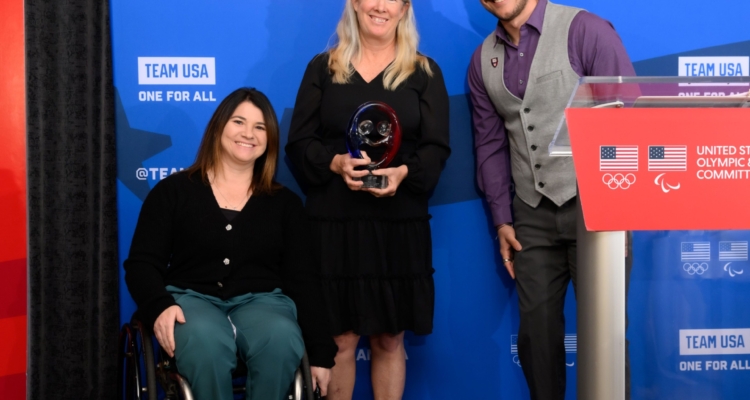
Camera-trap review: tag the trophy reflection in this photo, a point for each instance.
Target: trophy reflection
(374, 128)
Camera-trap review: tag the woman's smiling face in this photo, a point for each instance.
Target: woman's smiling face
(378, 19)
(244, 137)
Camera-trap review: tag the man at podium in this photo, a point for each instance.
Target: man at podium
(521, 78)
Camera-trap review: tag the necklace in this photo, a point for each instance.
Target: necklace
(242, 202)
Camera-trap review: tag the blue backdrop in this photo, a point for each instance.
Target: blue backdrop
(162, 111)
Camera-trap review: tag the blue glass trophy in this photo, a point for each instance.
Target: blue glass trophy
(374, 128)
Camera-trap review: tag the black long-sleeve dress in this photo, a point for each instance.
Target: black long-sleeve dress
(376, 253)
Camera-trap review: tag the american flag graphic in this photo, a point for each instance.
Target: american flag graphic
(618, 158)
(667, 158)
(695, 251)
(571, 343)
(732, 251)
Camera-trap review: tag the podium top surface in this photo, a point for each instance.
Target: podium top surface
(651, 92)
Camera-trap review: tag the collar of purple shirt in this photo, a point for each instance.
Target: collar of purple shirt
(536, 20)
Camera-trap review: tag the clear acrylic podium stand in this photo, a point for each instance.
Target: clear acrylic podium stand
(616, 126)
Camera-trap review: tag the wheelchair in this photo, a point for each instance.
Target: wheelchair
(146, 372)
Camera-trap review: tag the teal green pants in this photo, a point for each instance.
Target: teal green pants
(259, 327)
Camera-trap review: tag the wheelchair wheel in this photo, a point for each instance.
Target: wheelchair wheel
(137, 368)
(175, 387)
(145, 344)
(307, 377)
(301, 388)
(128, 384)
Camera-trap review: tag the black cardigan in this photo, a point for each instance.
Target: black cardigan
(183, 239)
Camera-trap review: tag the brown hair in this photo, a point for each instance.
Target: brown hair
(209, 152)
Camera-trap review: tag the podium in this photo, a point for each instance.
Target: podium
(650, 153)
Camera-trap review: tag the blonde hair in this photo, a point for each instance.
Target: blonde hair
(349, 47)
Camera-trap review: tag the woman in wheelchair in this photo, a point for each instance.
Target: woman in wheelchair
(220, 263)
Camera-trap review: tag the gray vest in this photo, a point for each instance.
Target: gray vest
(531, 122)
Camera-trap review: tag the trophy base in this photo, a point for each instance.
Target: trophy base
(374, 181)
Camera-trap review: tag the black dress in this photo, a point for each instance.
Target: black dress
(375, 253)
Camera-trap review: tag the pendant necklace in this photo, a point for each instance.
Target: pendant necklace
(235, 208)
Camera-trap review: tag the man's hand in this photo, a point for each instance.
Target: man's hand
(320, 379)
(395, 177)
(344, 164)
(164, 328)
(508, 246)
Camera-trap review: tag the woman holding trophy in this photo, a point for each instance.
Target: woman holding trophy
(369, 138)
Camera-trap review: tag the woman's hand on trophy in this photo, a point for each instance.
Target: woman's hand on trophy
(395, 177)
(344, 165)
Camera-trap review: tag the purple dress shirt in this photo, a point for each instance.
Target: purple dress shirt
(594, 49)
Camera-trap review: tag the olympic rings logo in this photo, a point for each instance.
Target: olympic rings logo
(695, 268)
(618, 181)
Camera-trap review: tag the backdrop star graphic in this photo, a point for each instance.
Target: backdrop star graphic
(134, 146)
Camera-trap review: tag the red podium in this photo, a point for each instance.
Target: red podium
(648, 156)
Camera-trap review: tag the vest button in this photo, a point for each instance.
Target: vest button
(541, 184)
(520, 81)
(220, 284)
(533, 147)
(527, 110)
(537, 166)
(531, 128)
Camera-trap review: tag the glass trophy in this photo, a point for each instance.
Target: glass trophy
(375, 129)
